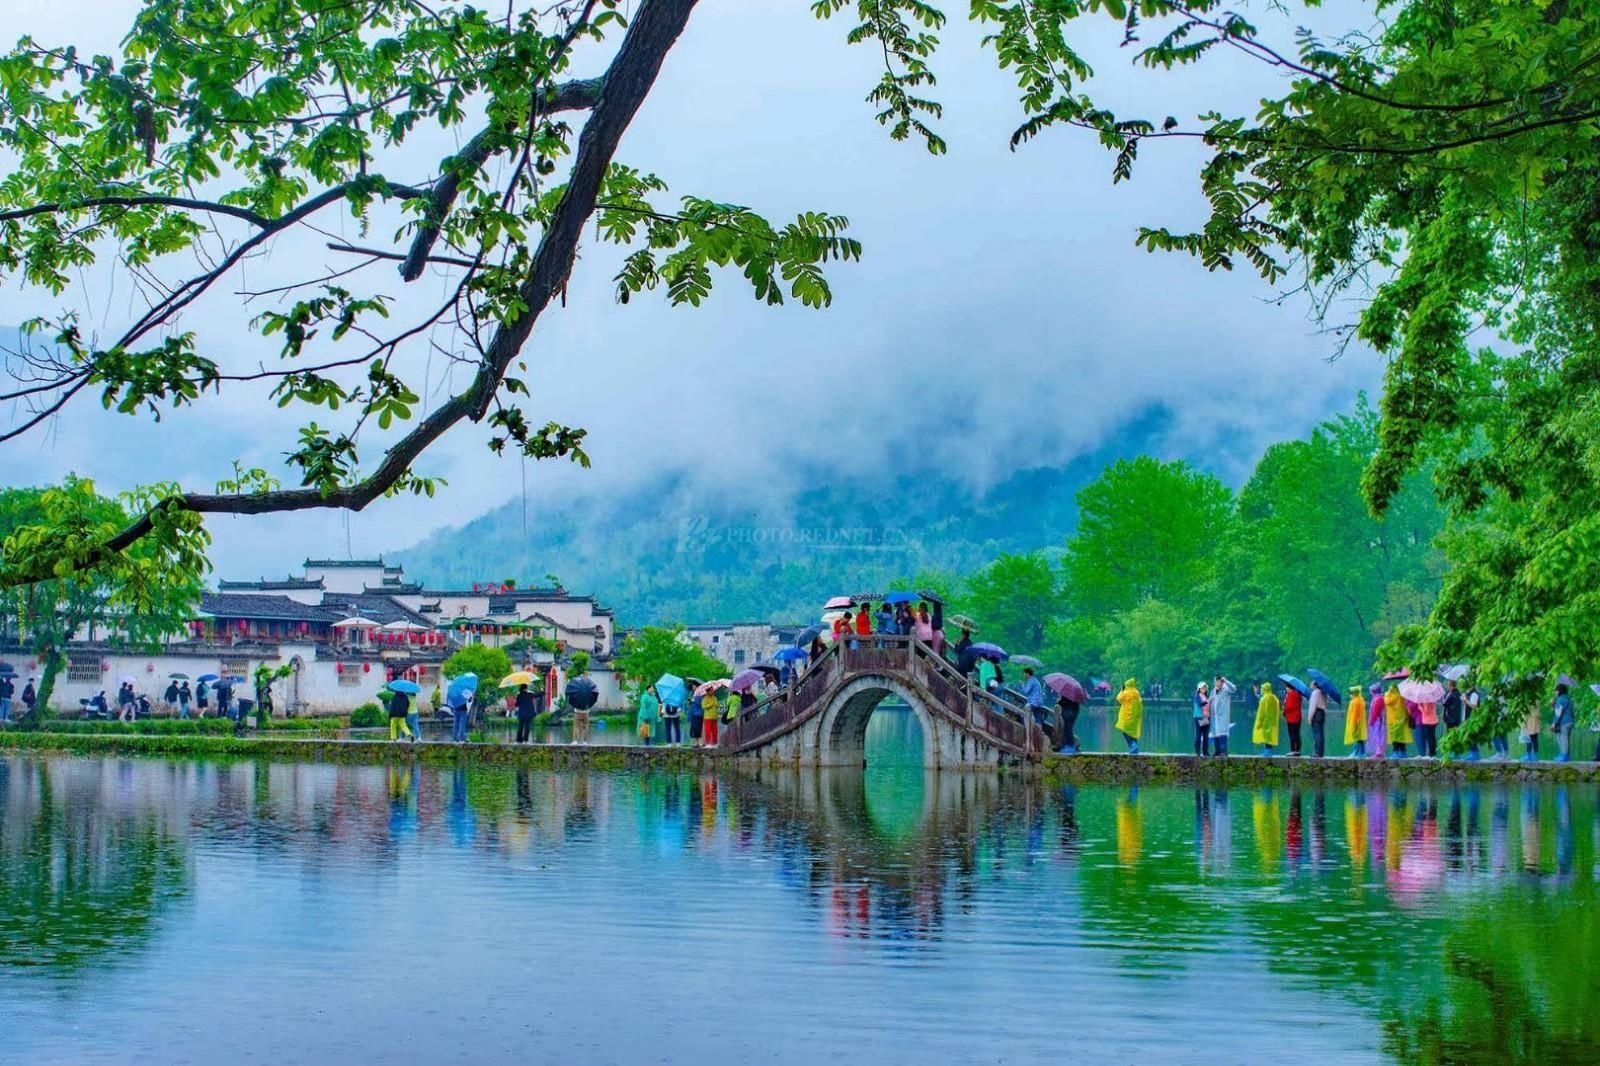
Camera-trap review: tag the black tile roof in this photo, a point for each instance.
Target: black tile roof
(298, 584)
(364, 564)
(264, 608)
(381, 609)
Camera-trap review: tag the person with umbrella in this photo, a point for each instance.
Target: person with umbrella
(1222, 692)
(965, 659)
(1130, 714)
(224, 694)
(1355, 722)
(30, 697)
(399, 711)
(988, 673)
(886, 618)
(458, 697)
(202, 694)
(1265, 733)
(649, 714)
(527, 708)
(185, 698)
(1070, 696)
(1033, 695)
(1319, 720)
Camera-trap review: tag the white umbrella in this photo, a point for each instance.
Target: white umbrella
(402, 625)
(356, 623)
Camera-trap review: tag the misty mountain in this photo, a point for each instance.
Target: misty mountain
(671, 551)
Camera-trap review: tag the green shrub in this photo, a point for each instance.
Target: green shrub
(306, 725)
(368, 714)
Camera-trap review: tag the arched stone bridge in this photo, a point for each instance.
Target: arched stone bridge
(821, 718)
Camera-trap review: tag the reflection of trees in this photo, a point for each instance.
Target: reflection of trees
(79, 879)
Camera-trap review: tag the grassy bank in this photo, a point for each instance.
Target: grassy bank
(1253, 770)
(168, 727)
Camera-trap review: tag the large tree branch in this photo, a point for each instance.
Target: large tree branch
(139, 200)
(577, 95)
(654, 30)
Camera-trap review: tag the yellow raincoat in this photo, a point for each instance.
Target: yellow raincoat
(1355, 719)
(1130, 719)
(1266, 731)
(1394, 711)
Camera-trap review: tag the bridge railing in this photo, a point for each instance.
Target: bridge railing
(981, 712)
(774, 715)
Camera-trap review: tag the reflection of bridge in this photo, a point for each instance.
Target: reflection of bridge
(821, 719)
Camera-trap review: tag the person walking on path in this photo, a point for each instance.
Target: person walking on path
(1397, 720)
(184, 699)
(125, 703)
(987, 673)
(1130, 715)
(202, 698)
(224, 694)
(1377, 723)
(1319, 721)
(30, 697)
(1265, 734)
(1222, 693)
(649, 712)
(1033, 696)
(1562, 723)
(1292, 718)
(1355, 722)
(527, 709)
(7, 688)
(170, 697)
(1202, 718)
(399, 707)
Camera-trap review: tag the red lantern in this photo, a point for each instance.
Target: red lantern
(366, 668)
(305, 627)
(338, 668)
(105, 664)
(244, 627)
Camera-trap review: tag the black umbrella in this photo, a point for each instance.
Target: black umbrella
(582, 693)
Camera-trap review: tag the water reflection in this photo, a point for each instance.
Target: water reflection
(1447, 925)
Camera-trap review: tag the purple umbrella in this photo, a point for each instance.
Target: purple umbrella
(744, 680)
(986, 650)
(1065, 685)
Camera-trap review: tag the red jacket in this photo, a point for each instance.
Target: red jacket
(863, 624)
(1291, 706)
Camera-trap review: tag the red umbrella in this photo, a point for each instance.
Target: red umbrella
(1398, 675)
(1066, 685)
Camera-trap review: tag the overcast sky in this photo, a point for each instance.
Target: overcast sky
(1001, 317)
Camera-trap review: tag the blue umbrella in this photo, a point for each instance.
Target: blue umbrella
(1295, 683)
(208, 678)
(901, 597)
(990, 649)
(671, 690)
(789, 655)
(408, 687)
(461, 689)
(1322, 681)
(808, 634)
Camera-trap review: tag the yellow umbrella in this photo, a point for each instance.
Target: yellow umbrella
(521, 677)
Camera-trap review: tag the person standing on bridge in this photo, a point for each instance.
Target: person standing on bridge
(987, 673)
(1130, 716)
(965, 659)
(1222, 691)
(886, 618)
(1265, 734)
(922, 625)
(1033, 693)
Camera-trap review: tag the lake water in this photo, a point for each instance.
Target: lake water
(199, 912)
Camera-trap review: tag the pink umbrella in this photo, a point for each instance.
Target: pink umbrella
(709, 686)
(744, 680)
(1066, 685)
(1397, 675)
(1422, 691)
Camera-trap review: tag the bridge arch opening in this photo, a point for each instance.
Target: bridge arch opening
(844, 729)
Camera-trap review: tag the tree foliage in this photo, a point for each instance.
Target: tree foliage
(656, 650)
(1015, 597)
(225, 131)
(149, 593)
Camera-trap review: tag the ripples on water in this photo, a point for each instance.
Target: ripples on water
(167, 912)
